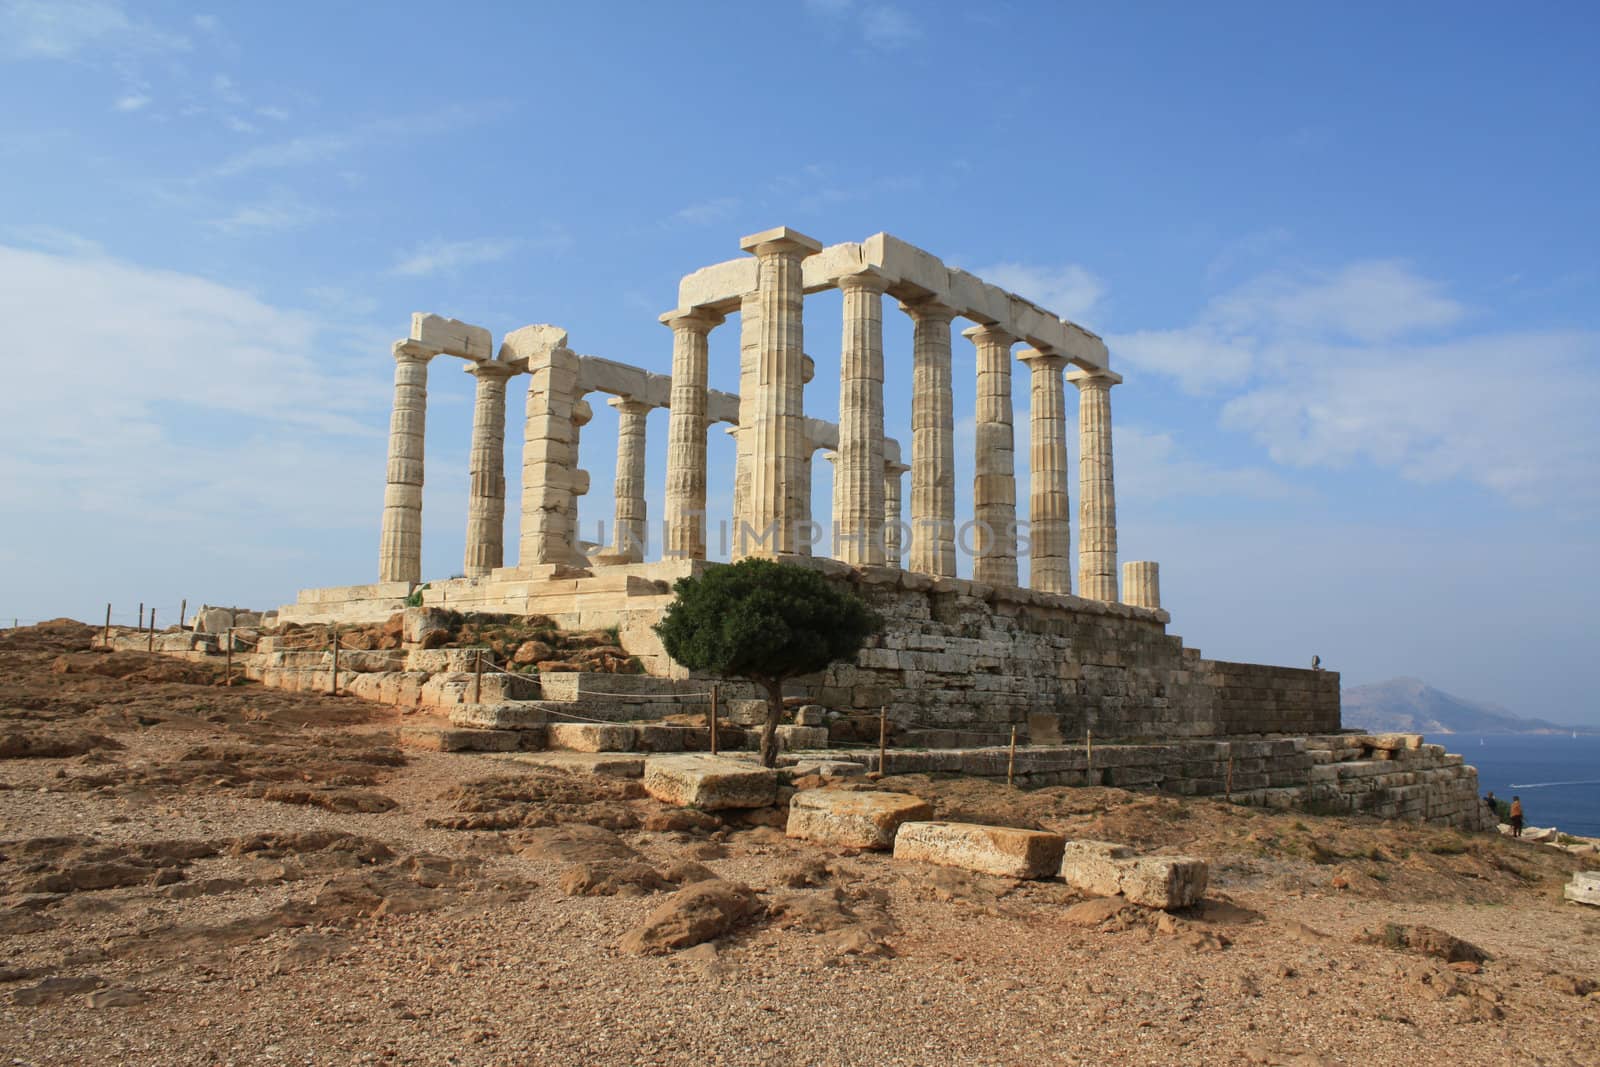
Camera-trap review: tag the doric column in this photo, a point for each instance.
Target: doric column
(400, 545)
(749, 375)
(776, 448)
(858, 476)
(632, 526)
(1097, 495)
(994, 482)
(582, 413)
(686, 433)
(549, 459)
(891, 512)
(1141, 583)
(1049, 505)
(486, 467)
(933, 458)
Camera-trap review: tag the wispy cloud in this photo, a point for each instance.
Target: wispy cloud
(131, 102)
(64, 29)
(718, 209)
(281, 211)
(1070, 291)
(436, 257)
(883, 26)
(310, 149)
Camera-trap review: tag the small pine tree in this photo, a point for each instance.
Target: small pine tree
(765, 622)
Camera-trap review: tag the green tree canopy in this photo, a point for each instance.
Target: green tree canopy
(764, 621)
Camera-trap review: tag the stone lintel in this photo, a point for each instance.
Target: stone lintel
(451, 336)
(779, 239)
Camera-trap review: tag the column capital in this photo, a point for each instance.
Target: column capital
(628, 405)
(491, 368)
(1037, 357)
(895, 469)
(1093, 379)
(413, 351)
(780, 240)
(927, 309)
(702, 320)
(867, 279)
(990, 333)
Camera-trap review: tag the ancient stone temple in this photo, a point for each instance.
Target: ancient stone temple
(1066, 649)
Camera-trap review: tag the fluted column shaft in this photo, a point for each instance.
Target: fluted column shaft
(994, 482)
(749, 375)
(686, 434)
(486, 471)
(1049, 504)
(891, 513)
(1141, 583)
(933, 458)
(400, 543)
(581, 414)
(632, 527)
(777, 446)
(858, 475)
(1097, 495)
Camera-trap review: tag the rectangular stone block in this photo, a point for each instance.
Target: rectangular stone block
(525, 715)
(591, 737)
(710, 783)
(1001, 850)
(443, 739)
(853, 820)
(1106, 869)
(452, 336)
(1584, 888)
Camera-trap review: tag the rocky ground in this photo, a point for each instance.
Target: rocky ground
(192, 874)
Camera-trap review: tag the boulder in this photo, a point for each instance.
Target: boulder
(1584, 888)
(709, 782)
(853, 820)
(1001, 850)
(1104, 869)
(425, 627)
(694, 914)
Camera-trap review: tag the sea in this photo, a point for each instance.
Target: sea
(1556, 775)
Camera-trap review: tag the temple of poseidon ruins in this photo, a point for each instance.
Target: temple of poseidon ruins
(1077, 661)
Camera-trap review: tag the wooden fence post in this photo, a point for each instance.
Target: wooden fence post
(477, 677)
(333, 687)
(106, 638)
(1011, 761)
(712, 711)
(141, 615)
(229, 675)
(150, 642)
(883, 741)
(183, 611)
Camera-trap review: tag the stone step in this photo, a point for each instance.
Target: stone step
(598, 764)
(451, 739)
(1001, 850)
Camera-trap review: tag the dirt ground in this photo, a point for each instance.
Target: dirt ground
(192, 874)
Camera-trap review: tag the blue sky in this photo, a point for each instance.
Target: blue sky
(1344, 257)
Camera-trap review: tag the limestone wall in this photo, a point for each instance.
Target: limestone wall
(1252, 698)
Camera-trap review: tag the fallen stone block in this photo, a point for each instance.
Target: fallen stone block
(1165, 882)
(591, 737)
(792, 738)
(446, 739)
(1584, 888)
(710, 783)
(599, 764)
(747, 712)
(825, 768)
(811, 715)
(1001, 850)
(513, 716)
(1095, 867)
(853, 820)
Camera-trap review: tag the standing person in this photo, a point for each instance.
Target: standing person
(1516, 816)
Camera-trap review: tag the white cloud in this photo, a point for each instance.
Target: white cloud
(309, 149)
(1069, 291)
(1153, 466)
(64, 29)
(132, 102)
(434, 257)
(1357, 365)
(707, 211)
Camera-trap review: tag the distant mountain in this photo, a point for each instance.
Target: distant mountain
(1411, 706)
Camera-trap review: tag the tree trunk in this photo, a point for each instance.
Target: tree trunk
(769, 732)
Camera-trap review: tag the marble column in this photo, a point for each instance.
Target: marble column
(1097, 496)
(632, 526)
(777, 446)
(994, 482)
(549, 456)
(858, 476)
(486, 500)
(1141, 583)
(749, 375)
(686, 434)
(933, 459)
(400, 544)
(891, 512)
(1049, 504)
(579, 479)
